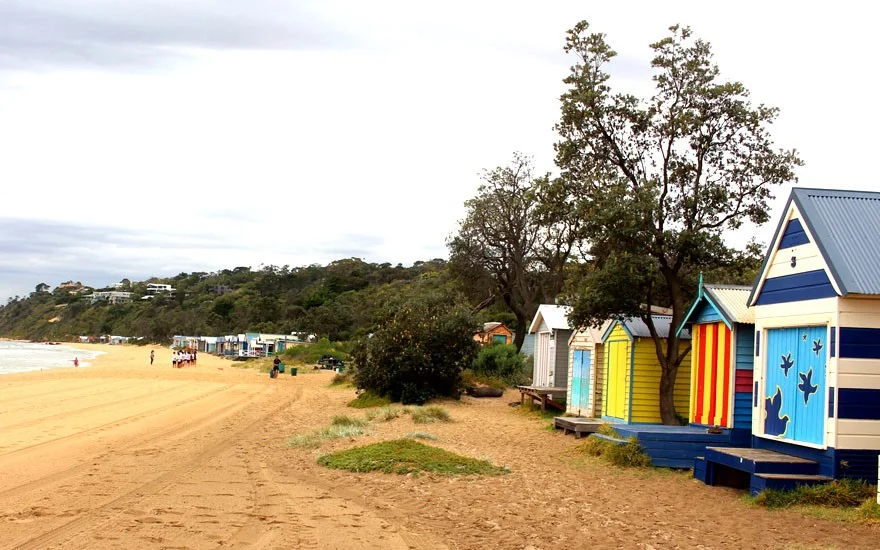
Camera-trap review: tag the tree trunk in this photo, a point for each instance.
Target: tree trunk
(520, 337)
(668, 414)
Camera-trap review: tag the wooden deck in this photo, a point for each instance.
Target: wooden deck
(542, 395)
(577, 425)
(678, 446)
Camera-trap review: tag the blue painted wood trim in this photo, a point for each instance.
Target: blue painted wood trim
(830, 401)
(825, 458)
(809, 285)
(832, 341)
(757, 343)
(859, 343)
(794, 235)
(744, 336)
(858, 403)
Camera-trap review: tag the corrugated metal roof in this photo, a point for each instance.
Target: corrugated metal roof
(639, 329)
(733, 300)
(846, 226)
(555, 316)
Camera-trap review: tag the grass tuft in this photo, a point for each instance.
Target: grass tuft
(341, 379)
(340, 426)
(343, 420)
(429, 414)
(421, 435)
(836, 494)
(869, 510)
(367, 399)
(385, 414)
(404, 456)
(627, 455)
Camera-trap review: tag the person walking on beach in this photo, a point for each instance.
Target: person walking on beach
(275, 367)
(152, 354)
(76, 361)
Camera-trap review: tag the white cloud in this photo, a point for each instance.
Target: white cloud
(350, 128)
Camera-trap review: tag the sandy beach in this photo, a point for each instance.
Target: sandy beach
(125, 455)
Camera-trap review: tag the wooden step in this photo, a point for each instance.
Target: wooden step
(760, 461)
(578, 425)
(783, 482)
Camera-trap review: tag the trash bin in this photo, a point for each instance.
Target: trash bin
(281, 368)
(292, 371)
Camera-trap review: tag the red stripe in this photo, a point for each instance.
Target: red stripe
(701, 373)
(725, 404)
(743, 380)
(713, 385)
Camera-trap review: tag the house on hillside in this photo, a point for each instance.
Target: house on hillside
(551, 331)
(494, 333)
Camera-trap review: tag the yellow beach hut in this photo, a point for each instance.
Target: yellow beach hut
(631, 394)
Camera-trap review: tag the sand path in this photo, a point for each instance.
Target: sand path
(124, 455)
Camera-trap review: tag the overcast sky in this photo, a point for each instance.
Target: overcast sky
(150, 137)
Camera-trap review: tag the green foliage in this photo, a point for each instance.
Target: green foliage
(869, 510)
(511, 244)
(500, 361)
(311, 354)
(418, 350)
(838, 493)
(342, 379)
(627, 455)
(368, 399)
(659, 181)
(429, 414)
(231, 301)
(404, 456)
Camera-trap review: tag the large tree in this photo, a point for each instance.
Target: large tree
(658, 181)
(514, 241)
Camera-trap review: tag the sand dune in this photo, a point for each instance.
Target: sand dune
(125, 455)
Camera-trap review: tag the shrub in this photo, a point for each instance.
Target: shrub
(342, 420)
(500, 361)
(869, 510)
(628, 455)
(471, 380)
(334, 431)
(341, 379)
(311, 353)
(418, 350)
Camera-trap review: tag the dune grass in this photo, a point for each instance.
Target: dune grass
(341, 426)
(628, 455)
(385, 414)
(836, 494)
(429, 414)
(404, 456)
(421, 435)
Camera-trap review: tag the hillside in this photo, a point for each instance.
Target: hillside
(337, 300)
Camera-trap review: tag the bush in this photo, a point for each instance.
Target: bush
(309, 354)
(385, 414)
(629, 454)
(500, 361)
(471, 380)
(418, 350)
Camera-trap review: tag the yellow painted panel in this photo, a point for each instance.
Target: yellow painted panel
(646, 385)
(617, 349)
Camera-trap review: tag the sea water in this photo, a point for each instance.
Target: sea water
(28, 356)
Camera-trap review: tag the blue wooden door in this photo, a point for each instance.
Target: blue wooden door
(580, 381)
(795, 384)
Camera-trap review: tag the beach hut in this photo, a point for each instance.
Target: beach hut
(632, 372)
(817, 318)
(585, 372)
(722, 329)
(551, 330)
(494, 333)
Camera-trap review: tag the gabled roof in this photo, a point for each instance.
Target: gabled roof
(730, 301)
(490, 325)
(555, 316)
(846, 228)
(595, 333)
(636, 328)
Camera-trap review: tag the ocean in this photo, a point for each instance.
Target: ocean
(27, 356)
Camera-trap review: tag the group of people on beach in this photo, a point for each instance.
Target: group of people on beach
(185, 358)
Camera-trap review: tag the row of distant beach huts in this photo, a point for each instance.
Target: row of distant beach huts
(788, 369)
(249, 344)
